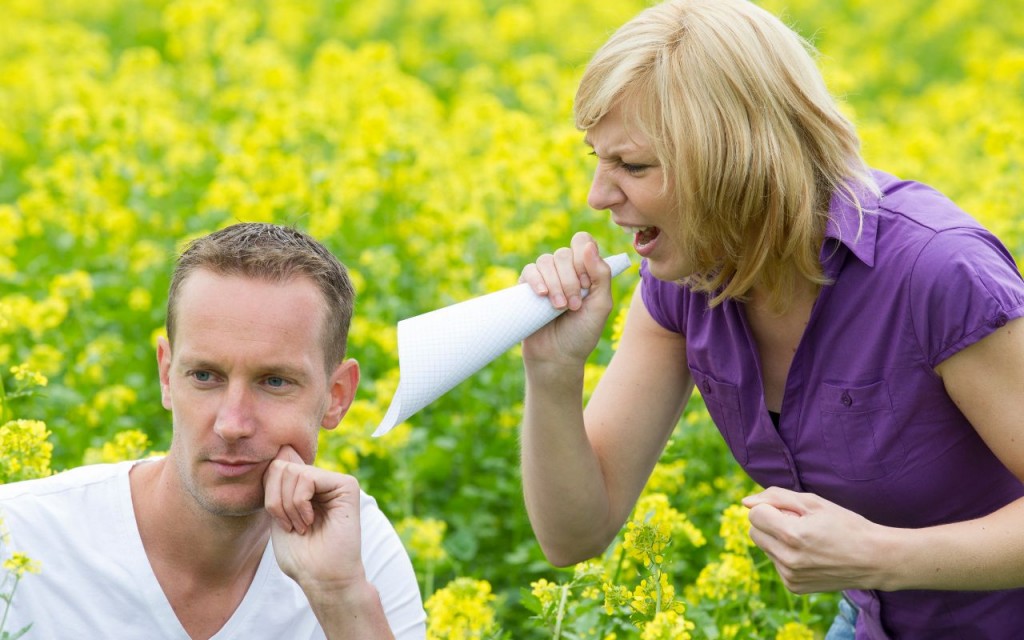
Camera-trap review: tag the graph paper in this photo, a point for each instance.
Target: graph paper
(439, 349)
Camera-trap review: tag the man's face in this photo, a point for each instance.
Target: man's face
(246, 376)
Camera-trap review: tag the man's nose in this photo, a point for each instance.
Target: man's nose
(236, 416)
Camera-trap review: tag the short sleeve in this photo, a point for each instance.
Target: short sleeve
(665, 301)
(964, 285)
(390, 570)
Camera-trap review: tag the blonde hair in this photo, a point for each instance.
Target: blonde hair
(741, 120)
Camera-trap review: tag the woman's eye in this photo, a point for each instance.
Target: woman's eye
(634, 169)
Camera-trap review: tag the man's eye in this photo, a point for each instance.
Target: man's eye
(276, 382)
(202, 376)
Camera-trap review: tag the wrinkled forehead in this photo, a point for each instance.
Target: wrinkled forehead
(620, 130)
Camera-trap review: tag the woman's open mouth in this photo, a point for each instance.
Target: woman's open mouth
(644, 238)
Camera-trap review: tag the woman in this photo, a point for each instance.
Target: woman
(856, 338)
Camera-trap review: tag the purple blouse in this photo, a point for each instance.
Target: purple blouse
(865, 420)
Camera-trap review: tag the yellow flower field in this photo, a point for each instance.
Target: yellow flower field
(430, 145)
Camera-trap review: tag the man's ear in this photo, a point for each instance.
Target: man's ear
(342, 389)
(163, 362)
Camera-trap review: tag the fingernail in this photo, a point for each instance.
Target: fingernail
(575, 303)
(585, 281)
(559, 301)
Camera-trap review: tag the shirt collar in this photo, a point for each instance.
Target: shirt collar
(854, 231)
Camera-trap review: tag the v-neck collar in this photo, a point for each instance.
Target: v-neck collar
(135, 560)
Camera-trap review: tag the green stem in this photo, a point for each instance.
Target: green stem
(428, 581)
(614, 579)
(656, 576)
(10, 598)
(5, 412)
(561, 611)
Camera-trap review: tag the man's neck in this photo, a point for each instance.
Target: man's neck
(204, 563)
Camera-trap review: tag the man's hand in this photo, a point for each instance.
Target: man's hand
(317, 542)
(816, 545)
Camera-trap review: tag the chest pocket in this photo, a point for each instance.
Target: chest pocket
(859, 430)
(723, 402)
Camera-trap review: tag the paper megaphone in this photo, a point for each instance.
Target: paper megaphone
(439, 349)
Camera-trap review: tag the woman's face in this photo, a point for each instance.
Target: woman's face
(629, 182)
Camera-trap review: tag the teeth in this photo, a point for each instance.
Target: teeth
(635, 230)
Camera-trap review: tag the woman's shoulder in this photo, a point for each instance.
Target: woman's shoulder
(921, 205)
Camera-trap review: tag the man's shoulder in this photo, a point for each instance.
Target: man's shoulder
(370, 513)
(64, 481)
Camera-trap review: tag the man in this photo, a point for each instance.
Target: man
(177, 547)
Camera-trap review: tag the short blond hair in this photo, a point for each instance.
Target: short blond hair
(740, 118)
(277, 254)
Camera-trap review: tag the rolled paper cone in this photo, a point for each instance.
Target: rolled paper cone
(439, 349)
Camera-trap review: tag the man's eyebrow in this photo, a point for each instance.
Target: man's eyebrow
(286, 370)
(279, 368)
(197, 363)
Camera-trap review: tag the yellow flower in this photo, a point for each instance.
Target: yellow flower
(75, 285)
(794, 631)
(496, 278)
(618, 325)
(140, 299)
(26, 450)
(732, 577)
(615, 597)
(19, 564)
(68, 126)
(592, 373)
(653, 526)
(549, 594)
(668, 625)
(37, 317)
(46, 359)
(735, 529)
(130, 444)
(22, 373)
(668, 477)
(461, 610)
(423, 538)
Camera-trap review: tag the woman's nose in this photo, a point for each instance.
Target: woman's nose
(604, 190)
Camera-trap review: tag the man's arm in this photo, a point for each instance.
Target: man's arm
(317, 542)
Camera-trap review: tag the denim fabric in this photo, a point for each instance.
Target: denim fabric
(844, 627)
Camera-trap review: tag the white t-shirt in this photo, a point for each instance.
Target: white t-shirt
(96, 581)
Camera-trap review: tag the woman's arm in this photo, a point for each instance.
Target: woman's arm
(583, 470)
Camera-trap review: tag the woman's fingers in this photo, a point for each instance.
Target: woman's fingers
(563, 275)
(580, 241)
